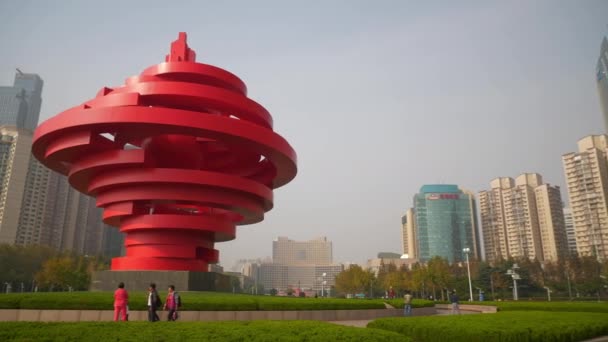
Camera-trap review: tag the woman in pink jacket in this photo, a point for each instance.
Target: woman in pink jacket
(121, 300)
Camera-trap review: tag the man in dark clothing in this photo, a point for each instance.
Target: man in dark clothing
(154, 303)
(455, 303)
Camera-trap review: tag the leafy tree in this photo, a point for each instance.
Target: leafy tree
(64, 273)
(439, 275)
(353, 280)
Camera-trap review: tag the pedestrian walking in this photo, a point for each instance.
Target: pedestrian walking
(172, 303)
(154, 303)
(391, 293)
(455, 303)
(121, 300)
(407, 300)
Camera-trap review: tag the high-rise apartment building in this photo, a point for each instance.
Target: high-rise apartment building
(15, 154)
(34, 214)
(493, 220)
(570, 232)
(37, 205)
(445, 223)
(551, 222)
(20, 104)
(313, 252)
(522, 218)
(587, 179)
(602, 79)
(408, 234)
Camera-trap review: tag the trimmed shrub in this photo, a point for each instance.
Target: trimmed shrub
(191, 331)
(193, 301)
(505, 326)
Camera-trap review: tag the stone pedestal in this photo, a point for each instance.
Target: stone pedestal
(140, 280)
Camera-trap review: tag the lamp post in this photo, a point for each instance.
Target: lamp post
(513, 273)
(323, 285)
(548, 293)
(466, 253)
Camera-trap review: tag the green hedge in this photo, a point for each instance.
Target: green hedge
(194, 301)
(191, 331)
(549, 306)
(506, 326)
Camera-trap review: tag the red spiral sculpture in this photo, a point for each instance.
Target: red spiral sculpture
(177, 157)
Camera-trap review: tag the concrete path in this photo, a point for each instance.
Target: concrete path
(598, 339)
(363, 323)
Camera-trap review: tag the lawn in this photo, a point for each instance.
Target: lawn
(193, 301)
(512, 326)
(191, 331)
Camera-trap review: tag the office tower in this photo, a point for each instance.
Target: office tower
(445, 223)
(570, 232)
(307, 265)
(522, 218)
(313, 252)
(15, 147)
(587, 179)
(20, 104)
(408, 234)
(602, 79)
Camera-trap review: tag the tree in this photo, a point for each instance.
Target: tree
(353, 280)
(439, 275)
(64, 273)
(19, 264)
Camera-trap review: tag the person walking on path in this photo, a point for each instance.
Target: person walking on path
(154, 303)
(172, 303)
(407, 300)
(455, 303)
(391, 293)
(121, 300)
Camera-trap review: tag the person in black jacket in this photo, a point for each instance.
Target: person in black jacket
(154, 303)
(455, 303)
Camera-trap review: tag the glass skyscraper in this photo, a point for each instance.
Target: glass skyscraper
(20, 104)
(602, 79)
(446, 223)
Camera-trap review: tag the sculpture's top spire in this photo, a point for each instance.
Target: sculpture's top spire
(180, 52)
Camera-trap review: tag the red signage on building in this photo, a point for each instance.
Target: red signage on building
(442, 196)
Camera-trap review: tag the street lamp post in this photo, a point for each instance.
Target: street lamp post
(513, 273)
(466, 253)
(548, 293)
(323, 285)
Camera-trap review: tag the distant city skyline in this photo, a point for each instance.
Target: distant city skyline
(377, 98)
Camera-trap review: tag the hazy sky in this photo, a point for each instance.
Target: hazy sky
(377, 97)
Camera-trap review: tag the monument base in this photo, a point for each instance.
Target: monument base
(140, 280)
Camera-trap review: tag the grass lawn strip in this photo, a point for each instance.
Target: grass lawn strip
(192, 331)
(513, 326)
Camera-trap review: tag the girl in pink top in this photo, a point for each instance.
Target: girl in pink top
(121, 299)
